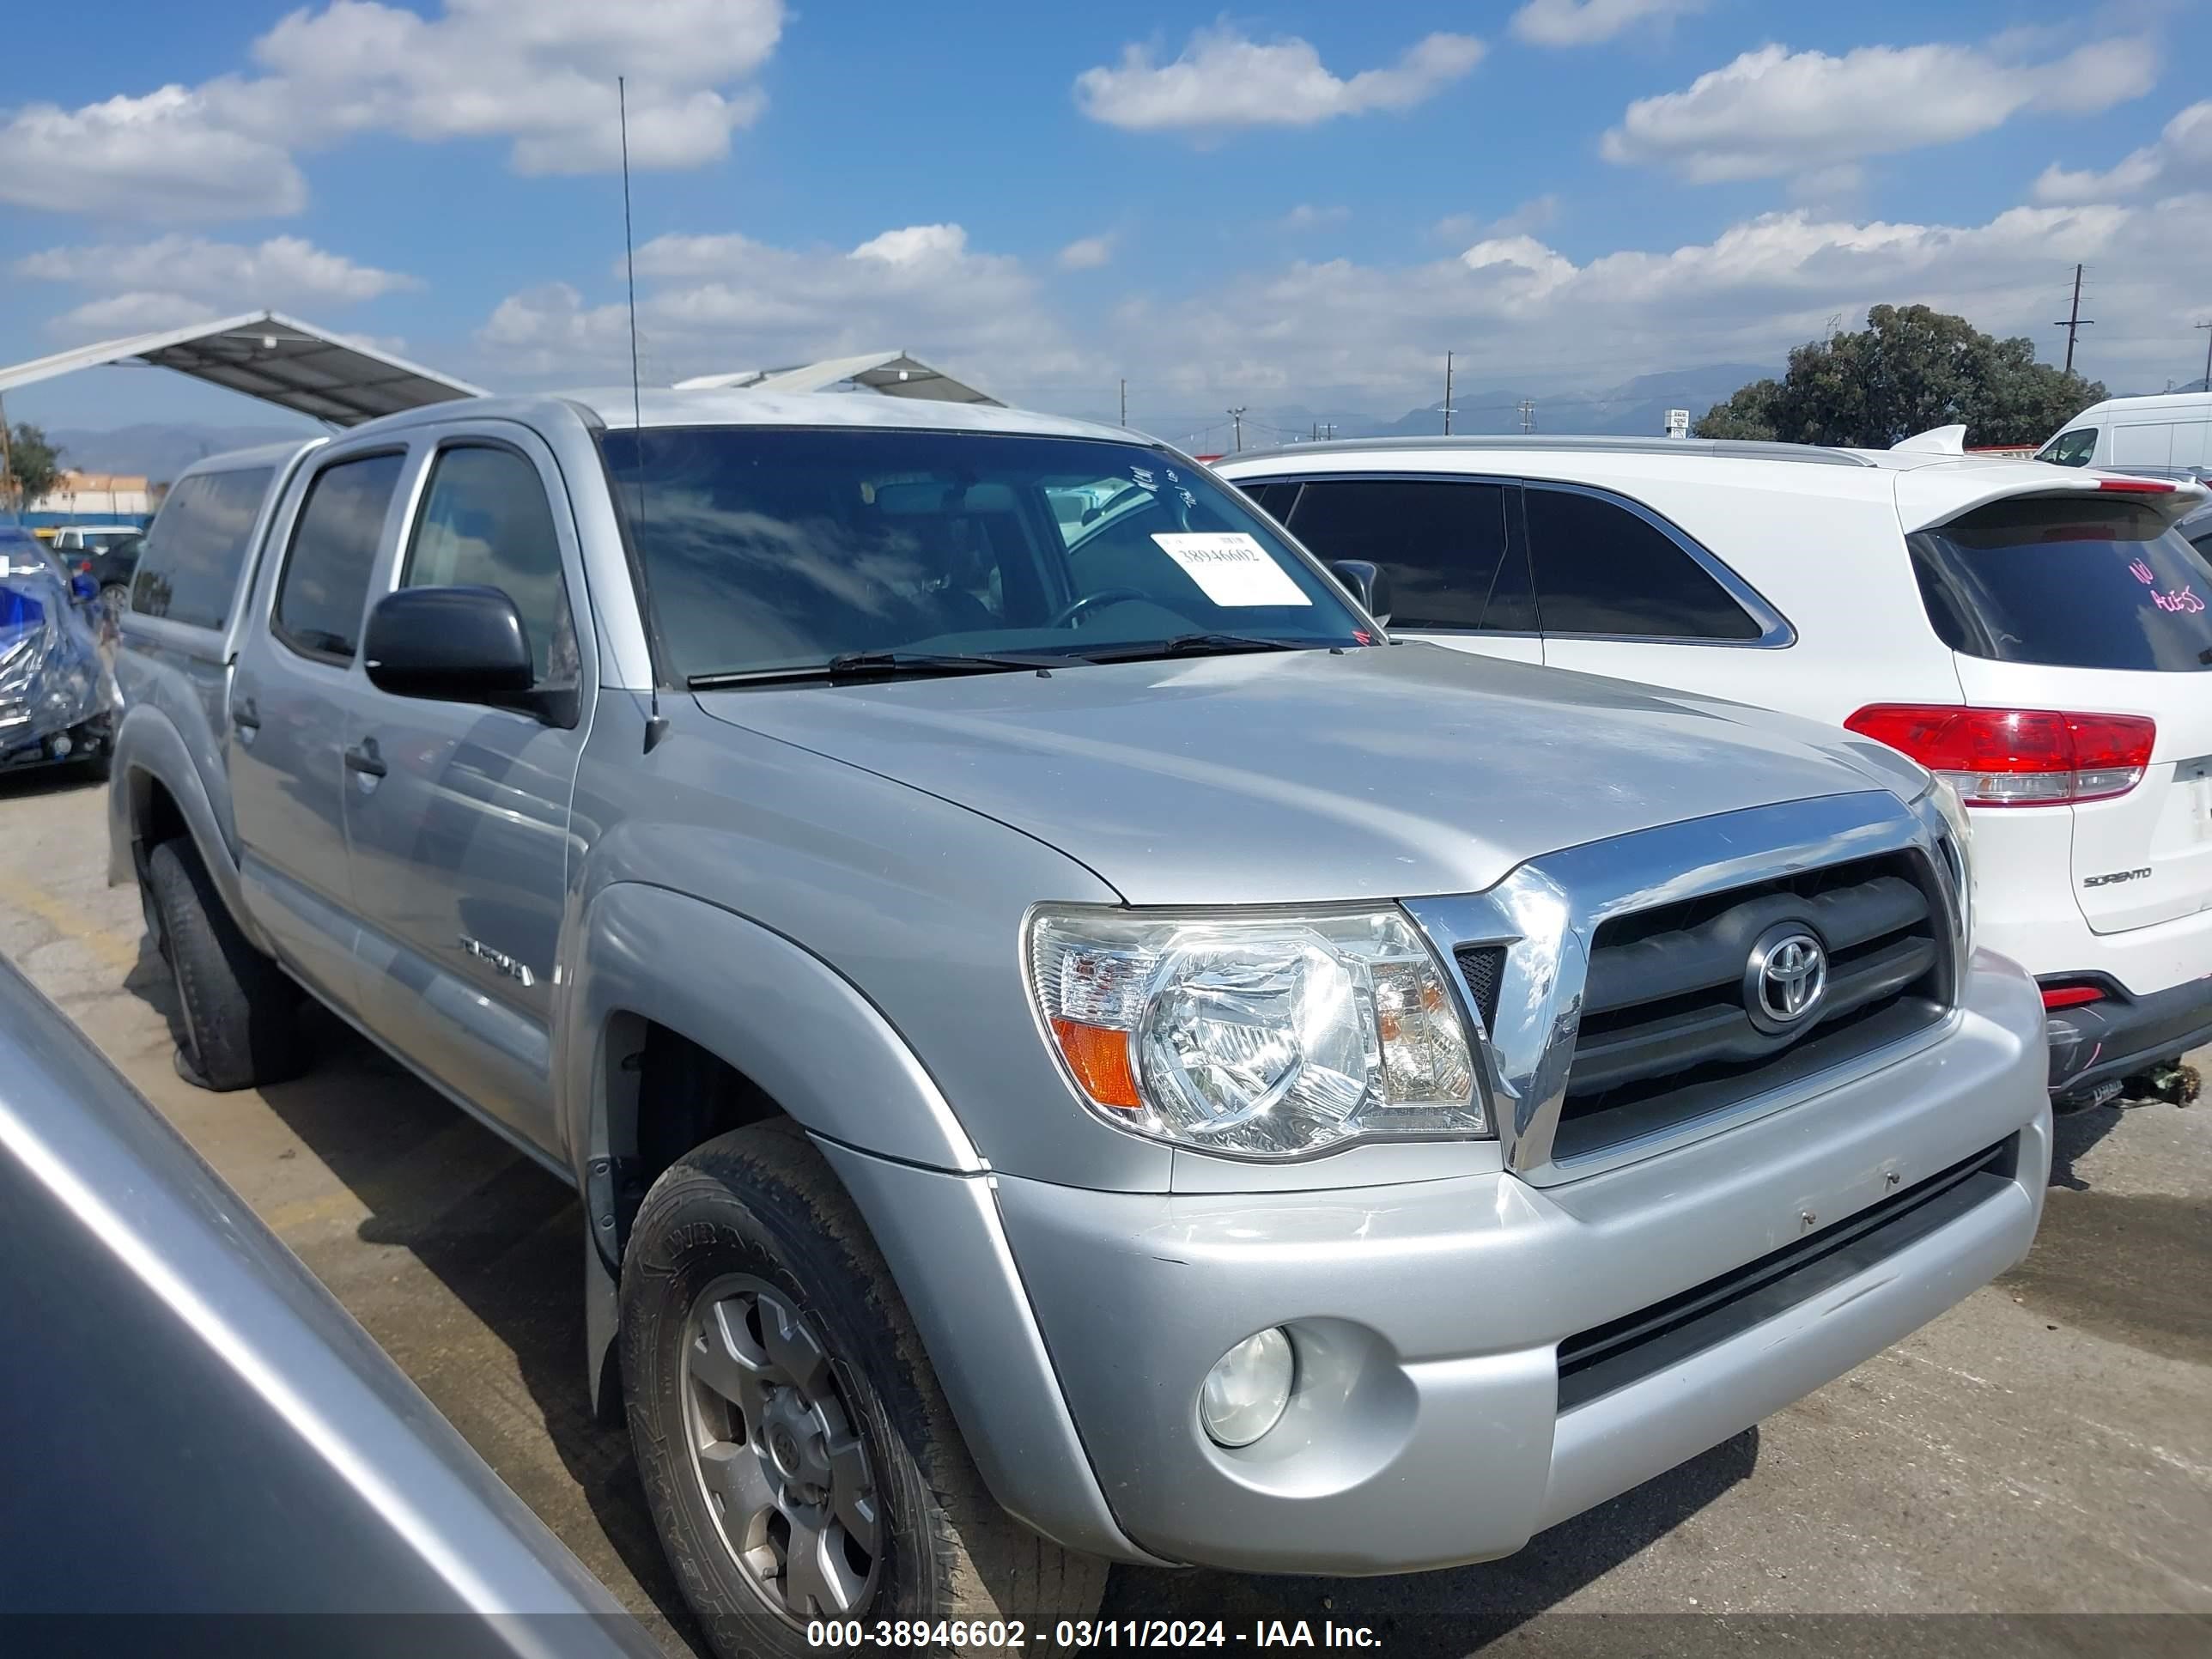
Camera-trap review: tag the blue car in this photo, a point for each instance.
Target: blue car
(57, 694)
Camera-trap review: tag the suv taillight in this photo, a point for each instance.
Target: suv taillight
(2016, 757)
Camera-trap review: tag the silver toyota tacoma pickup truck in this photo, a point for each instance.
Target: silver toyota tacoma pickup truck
(1073, 1048)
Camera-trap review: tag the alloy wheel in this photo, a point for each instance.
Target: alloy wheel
(777, 1453)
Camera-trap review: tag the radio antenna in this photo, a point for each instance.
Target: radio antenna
(656, 724)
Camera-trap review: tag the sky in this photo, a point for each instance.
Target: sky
(1296, 209)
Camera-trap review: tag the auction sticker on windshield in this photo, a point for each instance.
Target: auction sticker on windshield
(1231, 568)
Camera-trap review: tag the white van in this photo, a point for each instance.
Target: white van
(2167, 434)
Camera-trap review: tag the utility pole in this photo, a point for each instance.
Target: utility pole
(1125, 402)
(2075, 322)
(1236, 426)
(1528, 415)
(2208, 355)
(1448, 408)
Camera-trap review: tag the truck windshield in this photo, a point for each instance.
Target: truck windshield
(767, 548)
(2068, 582)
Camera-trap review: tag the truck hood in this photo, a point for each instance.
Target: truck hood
(1306, 777)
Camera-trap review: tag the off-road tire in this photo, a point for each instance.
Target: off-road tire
(239, 1012)
(761, 1201)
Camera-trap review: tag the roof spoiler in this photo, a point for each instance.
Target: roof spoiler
(1923, 502)
(1937, 440)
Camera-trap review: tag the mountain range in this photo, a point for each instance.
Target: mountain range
(159, 450)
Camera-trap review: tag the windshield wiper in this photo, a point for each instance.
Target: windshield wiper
(881, 666)
(1198, 645)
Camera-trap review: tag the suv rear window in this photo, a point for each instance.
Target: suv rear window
(188, 569)
(2068, 582)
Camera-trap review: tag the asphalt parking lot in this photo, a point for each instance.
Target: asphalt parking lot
(2046, 1449)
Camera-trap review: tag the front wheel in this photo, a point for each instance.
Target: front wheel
(797, 1453)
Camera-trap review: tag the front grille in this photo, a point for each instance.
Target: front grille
(1666, 1036)
(1623, 1351)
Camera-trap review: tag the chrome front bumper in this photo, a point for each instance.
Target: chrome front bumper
(1427, 1428)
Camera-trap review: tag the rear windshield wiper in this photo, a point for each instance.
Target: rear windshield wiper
(1197, 645)
(880, 666)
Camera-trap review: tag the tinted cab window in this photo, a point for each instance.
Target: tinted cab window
(487, 523)
(325, 586)
(1441, 544)
(189, 565)
(1602, 568)
(2070, 448)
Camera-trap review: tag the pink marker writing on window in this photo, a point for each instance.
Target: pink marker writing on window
(2142, 572)
(2185, 601)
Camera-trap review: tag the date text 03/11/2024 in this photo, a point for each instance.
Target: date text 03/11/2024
(1013, 1636)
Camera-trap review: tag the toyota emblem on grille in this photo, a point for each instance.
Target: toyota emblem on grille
(1785, 978)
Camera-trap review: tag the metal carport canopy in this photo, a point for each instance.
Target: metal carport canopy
(277, 359)
(893, 373)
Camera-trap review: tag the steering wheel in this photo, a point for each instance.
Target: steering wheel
(1067, 614)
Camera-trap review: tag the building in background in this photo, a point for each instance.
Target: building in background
(93, 498)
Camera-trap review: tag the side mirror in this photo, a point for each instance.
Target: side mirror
(456, 644)
(1369, 584)
(82, 589)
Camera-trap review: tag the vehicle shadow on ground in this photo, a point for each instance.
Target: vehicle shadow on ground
(25, 783)
(500, 1234)
(2073, 1133)
(1431, 1616)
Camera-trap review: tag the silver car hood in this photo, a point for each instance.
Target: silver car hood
(1303, 776)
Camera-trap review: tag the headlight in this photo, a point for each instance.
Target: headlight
(1259, 1037)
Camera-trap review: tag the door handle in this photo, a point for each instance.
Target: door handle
(363, 758)
(245, 716)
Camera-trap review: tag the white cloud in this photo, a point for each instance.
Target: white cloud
(1345, 334)
(2182, 156)
(1306, 216)
(1533, 214)
(166, 156)
(122, 314)
(284, 271)
(1774, 112)
(1587, 22)
(721, 302)
(1086, 253)
(1223, 80)
(916, 246)
(538, 73)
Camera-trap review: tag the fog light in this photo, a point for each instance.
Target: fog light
(1247, 1389)
(59, 745)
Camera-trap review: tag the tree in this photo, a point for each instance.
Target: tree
(1909, 369)
(34, 465)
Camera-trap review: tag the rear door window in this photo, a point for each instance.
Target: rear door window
(1442, 545)
(325, 587)
(2095, 582)
(1603, 569)
(189, 566)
